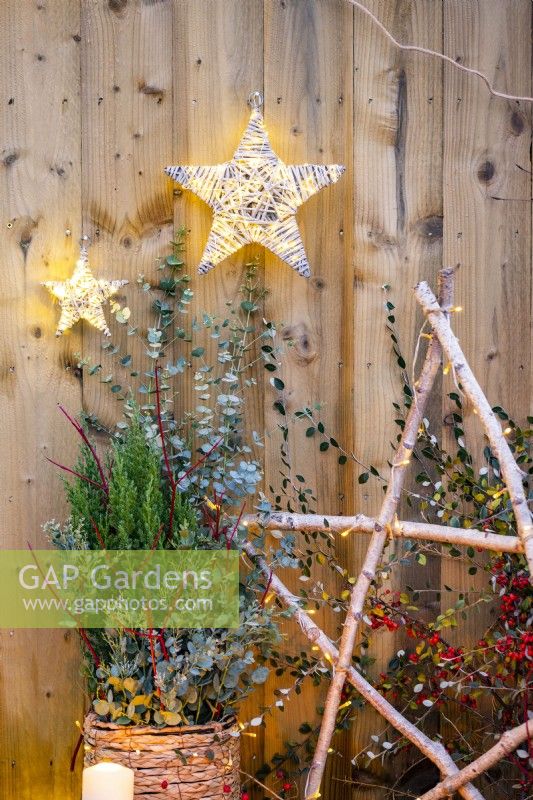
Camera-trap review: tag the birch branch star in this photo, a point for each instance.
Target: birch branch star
(82, 296)
(255, 197)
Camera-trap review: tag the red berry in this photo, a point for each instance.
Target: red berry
(287, 787)
(226, 789)
(245, 796)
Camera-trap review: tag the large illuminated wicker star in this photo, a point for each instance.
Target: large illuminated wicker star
(82, 296)
(255, 197)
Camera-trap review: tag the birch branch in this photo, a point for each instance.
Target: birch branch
(511, 472)
(435, 751)
(377, 543)
(360, 523)
(508, 742)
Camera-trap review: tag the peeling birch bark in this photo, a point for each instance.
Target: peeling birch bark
(511, 473)
(400, 462)
(435, 751)
(508, 742)
(400, 529)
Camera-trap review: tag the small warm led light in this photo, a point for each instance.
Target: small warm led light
(507, 431)
(255, 197)
(82, 296)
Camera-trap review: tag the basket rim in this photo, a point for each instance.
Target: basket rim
(92, 721)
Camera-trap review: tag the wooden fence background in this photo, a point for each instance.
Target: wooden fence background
(97, 96)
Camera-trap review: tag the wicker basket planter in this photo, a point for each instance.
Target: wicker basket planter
(207, 759)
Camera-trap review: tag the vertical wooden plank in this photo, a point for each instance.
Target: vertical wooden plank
(40, 696)
(398, 241)
(308, 111)
(486, 148)
(218, 62)
(127, 113)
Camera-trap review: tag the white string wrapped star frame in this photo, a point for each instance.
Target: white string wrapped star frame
(82, 296)
(255, 197)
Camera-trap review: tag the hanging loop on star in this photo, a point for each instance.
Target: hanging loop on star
(256, 100)
(85, 242)
(255, 196)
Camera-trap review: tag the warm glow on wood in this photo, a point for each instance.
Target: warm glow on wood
(255, 197)
(82, 296)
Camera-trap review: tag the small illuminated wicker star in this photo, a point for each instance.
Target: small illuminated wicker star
(82, 296)
(255, 197)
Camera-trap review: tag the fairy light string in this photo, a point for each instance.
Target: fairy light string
(82, 296)
(255, 197)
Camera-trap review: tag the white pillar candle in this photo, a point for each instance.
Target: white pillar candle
(107, 781)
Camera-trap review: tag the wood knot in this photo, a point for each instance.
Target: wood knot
(147, 88)
(380, 239)
(117, 5)
(10, 158)
(430, 227)
(300, 337)
(517, 123)
(486, 172)
(318, 283)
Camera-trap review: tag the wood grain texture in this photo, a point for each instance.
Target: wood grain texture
(40, 687)
(97, 97)
(218, 62)
(487, 145)
(308, 111)
(127, 138)
(397, 149)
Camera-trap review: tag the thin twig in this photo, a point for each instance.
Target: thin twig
(262, 785)
(508, 742)
(76, 474)
(79, 429)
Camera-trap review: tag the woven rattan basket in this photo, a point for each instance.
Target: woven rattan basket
(206, 761)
